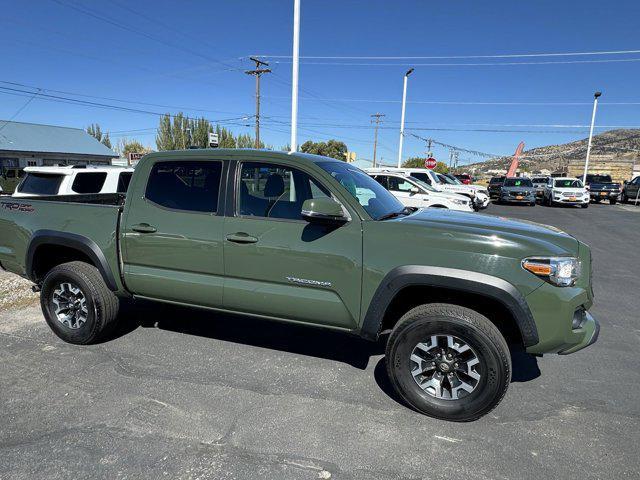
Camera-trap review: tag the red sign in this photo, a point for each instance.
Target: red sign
(430, 163)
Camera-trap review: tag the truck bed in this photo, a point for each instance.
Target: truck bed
(94, 217)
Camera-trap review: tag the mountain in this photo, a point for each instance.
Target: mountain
(615, 144)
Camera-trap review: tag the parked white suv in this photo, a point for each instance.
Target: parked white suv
(73, 180)
(566, 191)
(415, 193)
(477, 193)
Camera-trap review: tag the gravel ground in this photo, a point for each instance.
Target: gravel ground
(15, 291)
(185, 394)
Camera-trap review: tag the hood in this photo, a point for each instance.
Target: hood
(495, 232)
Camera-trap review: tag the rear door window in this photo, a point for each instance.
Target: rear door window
(189, 186)
(89, 182)
(41, 184)
(123, 182)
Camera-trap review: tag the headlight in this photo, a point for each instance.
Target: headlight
(560, 271)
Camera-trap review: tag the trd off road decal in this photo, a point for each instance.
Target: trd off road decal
(20, 207)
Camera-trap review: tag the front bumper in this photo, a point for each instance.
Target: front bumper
(568, 201)
(524, 199)
(591, 332)
(604, 195)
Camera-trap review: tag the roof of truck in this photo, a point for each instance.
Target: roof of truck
(230, 153)
(69, 170)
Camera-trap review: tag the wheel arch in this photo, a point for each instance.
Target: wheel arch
(404, 288)
(48, 247)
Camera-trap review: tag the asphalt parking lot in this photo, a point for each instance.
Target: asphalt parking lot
(189, 394)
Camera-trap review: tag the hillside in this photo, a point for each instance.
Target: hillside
(623, 143)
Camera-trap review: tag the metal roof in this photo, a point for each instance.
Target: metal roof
(33, 137)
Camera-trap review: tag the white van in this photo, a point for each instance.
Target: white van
(73, 180)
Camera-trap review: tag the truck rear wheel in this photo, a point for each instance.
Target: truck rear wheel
(77, 304)
(448, 362)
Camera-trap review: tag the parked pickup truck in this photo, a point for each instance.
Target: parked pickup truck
(308, 239)
(601, 187)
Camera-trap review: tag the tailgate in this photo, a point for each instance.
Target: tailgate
(23, 219)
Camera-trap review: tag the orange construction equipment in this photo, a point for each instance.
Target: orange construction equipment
(514, 163)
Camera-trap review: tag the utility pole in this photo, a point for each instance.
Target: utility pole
(593, 121)
(377, 121)
(404, 103)
(257, 73)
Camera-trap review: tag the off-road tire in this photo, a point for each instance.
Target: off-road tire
(102, 303)
(478, 332)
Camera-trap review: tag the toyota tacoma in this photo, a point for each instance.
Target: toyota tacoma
(312, 240)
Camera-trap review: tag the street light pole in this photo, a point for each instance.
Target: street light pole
(593, 121)
(404, 102)
(294, 79)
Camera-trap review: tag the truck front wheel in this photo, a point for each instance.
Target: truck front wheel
(77, 304)
(448, 362)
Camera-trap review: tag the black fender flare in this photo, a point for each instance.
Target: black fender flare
(455, 279)
(71, 240)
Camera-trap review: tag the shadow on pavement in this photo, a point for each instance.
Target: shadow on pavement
(288, 337)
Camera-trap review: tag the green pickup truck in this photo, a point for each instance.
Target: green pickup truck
(308, 239)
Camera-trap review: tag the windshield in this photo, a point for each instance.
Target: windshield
(518, 182)
(422, 184)
(374, 198)
(445, 179)
(424, 177)
(495, 180)
(568, 183)
(599, 178)
(539, 180)
(454, 180)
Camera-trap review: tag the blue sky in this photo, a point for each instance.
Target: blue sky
(191, 54)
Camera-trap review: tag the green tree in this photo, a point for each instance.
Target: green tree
(125, 146)
(414, 162)
(200, 129)
(332, 148)
(164, 137)
(96, 132)
(441, 167)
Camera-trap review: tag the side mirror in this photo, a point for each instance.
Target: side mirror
(323, 210)
(414, 190)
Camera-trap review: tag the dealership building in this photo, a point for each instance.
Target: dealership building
(30, 144)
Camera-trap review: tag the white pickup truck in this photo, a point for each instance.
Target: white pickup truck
(415, 193)
(477, 193)
(73, 180)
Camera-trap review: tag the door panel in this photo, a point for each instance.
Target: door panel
(294, 270)
(172, 238)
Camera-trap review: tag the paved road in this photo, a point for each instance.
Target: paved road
(186, 394)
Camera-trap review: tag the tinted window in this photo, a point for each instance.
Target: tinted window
(375, 199)
(89, 182)
(397, 184)
(123, 182)
(496, 180)
(274, 191)
(191, 186)
(518, 182)
(41, 184)
(382, 180)
(539, 180)
(422, 176)
(11, 174)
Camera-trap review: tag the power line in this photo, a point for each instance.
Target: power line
(18, 111)
(446, 102)
(133, 102)
(495, 64)
(74, 101)
(501, 55)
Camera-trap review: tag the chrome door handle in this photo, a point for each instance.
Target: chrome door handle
(144, 228)
(241, 237)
